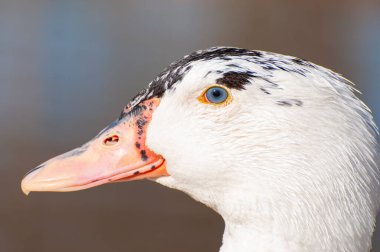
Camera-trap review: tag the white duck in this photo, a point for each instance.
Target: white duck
(280, 147)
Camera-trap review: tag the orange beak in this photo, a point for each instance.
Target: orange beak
(118, 153)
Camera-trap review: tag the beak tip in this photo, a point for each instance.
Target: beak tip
(24, 187)
(28, 182)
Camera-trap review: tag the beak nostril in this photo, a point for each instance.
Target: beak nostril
(110, 141)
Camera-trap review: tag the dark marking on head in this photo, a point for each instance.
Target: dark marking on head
(153, 167)
(298, 102)
(271, 85)
(188, 68)
(284, 103)
(290, 102)
(232, 65)
(130, 112)
(268, 67)
(136, 172)
(178, 69)
(207, 74)
(141, 123)
(303, 62)
(265, 91)
(144, 157)
(226, 58)
(138, 145)
(235, 80)
(257, 54)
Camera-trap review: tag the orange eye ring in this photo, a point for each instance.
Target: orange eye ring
(217, 95)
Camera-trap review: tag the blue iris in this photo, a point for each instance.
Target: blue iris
(216, 95)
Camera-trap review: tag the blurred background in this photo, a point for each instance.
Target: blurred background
(67, 67)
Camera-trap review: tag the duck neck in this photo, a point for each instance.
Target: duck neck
(257, 234)
(244, 238)
(290, 226)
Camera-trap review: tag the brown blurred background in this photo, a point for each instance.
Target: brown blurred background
(67, 67)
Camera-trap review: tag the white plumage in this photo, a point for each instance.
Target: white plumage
(289, 162)
(285, 177)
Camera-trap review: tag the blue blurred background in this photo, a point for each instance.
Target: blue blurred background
(67, 67)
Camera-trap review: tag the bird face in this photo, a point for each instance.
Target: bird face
(210, 125)
(225, 121)
(182, 133)
(267, 140)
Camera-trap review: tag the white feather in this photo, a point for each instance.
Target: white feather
(284, 178)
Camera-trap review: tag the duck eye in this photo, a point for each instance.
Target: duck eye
(216, 95)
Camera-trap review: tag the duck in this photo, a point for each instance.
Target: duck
(280, 147)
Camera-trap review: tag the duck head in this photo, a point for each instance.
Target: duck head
(279, 146)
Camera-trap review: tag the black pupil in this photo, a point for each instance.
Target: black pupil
(216, 93)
